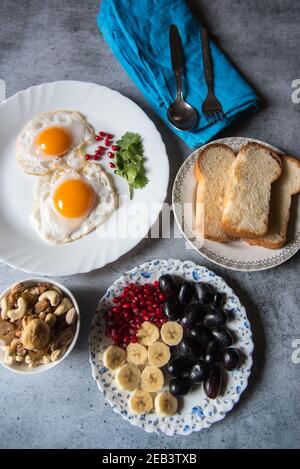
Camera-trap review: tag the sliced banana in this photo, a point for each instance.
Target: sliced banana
(165, 404)
(136, 354)
(140, 402)
(128, 377)
(148, 333)
(158, 354)
(152, 379)
(114, 357)
(171, 333)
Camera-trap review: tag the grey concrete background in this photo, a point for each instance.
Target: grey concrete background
(49, 40)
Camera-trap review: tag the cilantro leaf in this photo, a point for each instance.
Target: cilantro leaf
(130, 161)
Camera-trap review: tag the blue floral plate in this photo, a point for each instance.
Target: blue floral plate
(197, 411)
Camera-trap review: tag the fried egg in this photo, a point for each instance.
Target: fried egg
(68, 204)
(53, 140)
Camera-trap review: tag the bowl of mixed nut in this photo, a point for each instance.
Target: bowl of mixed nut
(39, 325)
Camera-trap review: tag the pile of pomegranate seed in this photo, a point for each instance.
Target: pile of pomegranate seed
(100, 150)
(136, 304)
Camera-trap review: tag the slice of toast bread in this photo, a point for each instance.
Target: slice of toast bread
(281, 198)
(248, 191)
(211, 171)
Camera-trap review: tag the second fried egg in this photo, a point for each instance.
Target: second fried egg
(69, 204)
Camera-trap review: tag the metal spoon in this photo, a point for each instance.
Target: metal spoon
(181, 114)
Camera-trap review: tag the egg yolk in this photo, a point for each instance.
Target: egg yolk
(54, 141)
(74, 198)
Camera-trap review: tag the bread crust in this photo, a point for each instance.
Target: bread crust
(265, 244)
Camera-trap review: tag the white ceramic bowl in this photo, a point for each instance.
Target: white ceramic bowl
(24, 369)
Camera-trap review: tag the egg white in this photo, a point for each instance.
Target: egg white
(58, 229)
(29, 156)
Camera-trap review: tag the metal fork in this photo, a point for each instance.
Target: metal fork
(211, 107)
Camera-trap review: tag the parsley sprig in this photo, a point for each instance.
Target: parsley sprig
(130, 161)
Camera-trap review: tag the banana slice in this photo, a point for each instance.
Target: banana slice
(136, 354)
(140, 402)
(165, 404)
(152, 379)
(158, 354)
(114, 357)
(171, 333)
(148, 333)
(128, 377)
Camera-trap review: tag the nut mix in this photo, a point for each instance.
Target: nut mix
(37, 324)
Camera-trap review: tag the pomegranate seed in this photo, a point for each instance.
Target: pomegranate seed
(107, 142)
(162, 297)
(87, 156)
(96, 157)
(115, 148)
(156, 283)
(97, 137)
(110, 136)
(112, 165)
(102, 134)
(110, 154)
(100, 148)
(135, 304)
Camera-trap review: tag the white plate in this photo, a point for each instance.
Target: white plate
(20, 245)
(197, 411)
(237, 255)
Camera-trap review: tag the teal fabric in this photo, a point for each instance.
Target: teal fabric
(138, 33)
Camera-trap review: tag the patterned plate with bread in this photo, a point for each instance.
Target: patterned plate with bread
(235, 200)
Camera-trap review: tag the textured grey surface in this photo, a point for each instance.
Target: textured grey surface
(49, 40)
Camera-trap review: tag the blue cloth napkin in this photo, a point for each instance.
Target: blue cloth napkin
(138, 33)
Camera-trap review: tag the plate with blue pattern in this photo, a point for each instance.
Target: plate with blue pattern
(197, 410)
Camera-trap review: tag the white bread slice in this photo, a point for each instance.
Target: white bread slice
(281, 198)
(248, 192)
(211, 171)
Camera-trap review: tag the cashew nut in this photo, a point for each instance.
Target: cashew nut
(50, 295)
(50, 319)
(58, 353)
(18, 313)
(4, 309)
(64, 306)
